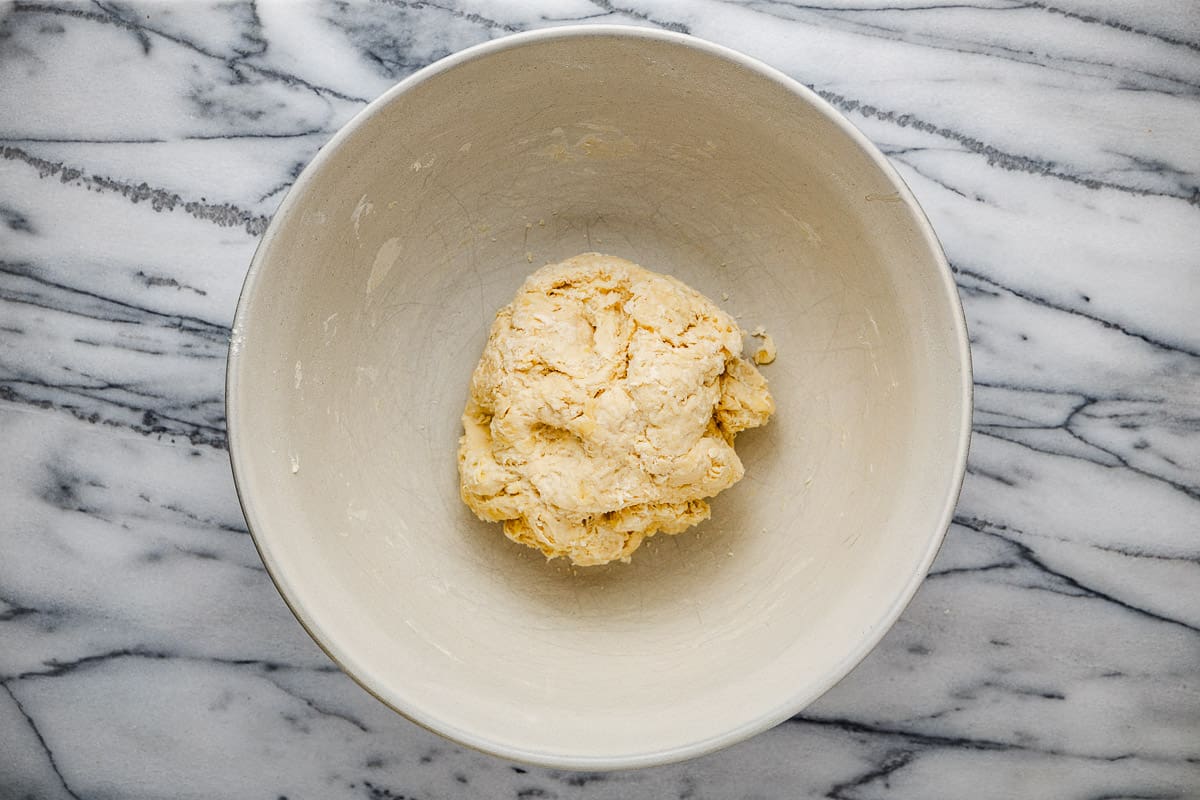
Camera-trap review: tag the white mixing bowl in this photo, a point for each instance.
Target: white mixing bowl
(367, 307)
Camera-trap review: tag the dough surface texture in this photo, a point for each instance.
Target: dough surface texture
(604, 410)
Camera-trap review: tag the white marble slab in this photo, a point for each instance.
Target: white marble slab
(1055, 649)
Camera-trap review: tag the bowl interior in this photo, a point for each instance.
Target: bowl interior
(368, 306)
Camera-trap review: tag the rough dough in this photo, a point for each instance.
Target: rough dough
(765, 352)
(604, 409)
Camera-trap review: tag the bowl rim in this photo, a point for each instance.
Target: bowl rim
(785, 708)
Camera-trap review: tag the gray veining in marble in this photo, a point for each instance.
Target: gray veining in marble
(1053, 652)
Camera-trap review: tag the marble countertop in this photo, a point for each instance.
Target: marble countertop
(1054, 650)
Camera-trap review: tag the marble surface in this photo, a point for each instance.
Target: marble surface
(1053, 652)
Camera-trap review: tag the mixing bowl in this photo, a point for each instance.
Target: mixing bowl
(367, 306)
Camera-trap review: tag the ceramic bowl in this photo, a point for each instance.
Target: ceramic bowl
(368, 304)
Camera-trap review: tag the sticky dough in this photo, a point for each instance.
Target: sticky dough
(604, 410)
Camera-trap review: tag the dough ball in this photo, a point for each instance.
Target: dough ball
(604, 410)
